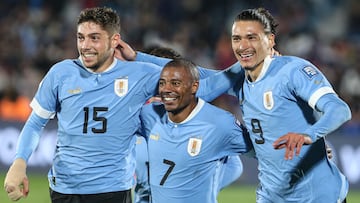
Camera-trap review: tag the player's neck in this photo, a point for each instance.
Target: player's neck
(182, 114)
(254, 72)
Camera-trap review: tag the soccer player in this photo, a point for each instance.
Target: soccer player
(187, 144)
(230, 171)
(97, 101)
(281, 99)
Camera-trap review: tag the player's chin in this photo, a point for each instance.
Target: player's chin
(170, 107)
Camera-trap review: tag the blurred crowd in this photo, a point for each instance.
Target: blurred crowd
(35, 34)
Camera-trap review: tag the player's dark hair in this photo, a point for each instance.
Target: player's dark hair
(184, 63)
(261, 15)
(107, 18)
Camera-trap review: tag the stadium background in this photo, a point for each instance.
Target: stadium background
(37, 33)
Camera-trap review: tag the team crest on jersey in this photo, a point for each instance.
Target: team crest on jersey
(121, 86)
(309, 71)
(194, 146)
(268, 100)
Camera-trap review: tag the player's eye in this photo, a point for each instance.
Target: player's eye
(161, 83)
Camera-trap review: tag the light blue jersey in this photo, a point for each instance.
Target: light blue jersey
(230, 171)
(283, 99)
(98, 115)
(185, 158)
(142, 187)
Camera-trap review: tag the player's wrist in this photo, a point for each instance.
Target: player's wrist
(307, 138)
(17, 169)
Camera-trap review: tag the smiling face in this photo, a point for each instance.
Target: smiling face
(95, 46)
(177, 90)
(251, 44)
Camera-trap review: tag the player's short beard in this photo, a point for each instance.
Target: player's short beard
(97, 65)
(250, 68)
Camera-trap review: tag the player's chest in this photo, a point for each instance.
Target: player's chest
(99, 89)
(171, 141)
(265, 96)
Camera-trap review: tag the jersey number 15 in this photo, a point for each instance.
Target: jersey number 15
(95, 118)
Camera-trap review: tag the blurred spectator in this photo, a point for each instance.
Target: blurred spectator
(14, 107)
(350, 90)
(38, 33)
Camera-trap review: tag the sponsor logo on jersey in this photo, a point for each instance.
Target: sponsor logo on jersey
(154, 137)
(75, 91)
(309, 71)
(194, 146)
(268, 100)
(121, 86)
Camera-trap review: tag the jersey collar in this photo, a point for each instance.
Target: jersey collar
(266, 65)
(193, 113)
(108, 69)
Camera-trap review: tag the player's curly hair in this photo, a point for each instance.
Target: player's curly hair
(107, 18)
(261, 15)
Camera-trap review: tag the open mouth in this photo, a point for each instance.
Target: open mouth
(246, 56)
(168, 98)
(88, 55)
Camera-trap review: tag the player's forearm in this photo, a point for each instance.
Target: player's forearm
(203, 71)
(335, 113)
(219, 83)
(29, 136)
(140, 56)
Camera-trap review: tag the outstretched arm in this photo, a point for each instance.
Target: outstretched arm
(212, 84)
(16, 183)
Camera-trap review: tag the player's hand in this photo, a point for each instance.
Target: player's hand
(16, 183)
(124, 52)
(292, 142)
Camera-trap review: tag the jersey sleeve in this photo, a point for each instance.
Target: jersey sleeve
(44, 106)
(237, 138)
(203, 71)
(309, 83)
(312, 86)
(45, 102)
(30, 136)
(143, 57)
(213, 86)
(335, 112)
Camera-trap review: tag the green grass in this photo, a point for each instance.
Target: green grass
(39, 192)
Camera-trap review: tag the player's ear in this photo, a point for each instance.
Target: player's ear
(271, 38)
(114, 40)
(194, 87)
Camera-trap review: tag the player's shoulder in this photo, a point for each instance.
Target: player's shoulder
(216, 113)
(292, 61)
(65, 66)
(291, 64)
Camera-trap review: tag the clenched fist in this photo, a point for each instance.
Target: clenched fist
(16, 183)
